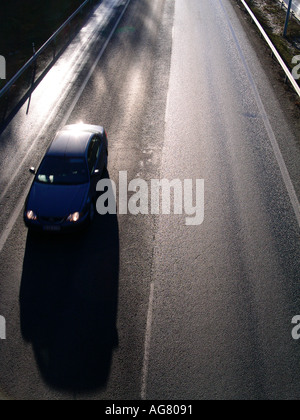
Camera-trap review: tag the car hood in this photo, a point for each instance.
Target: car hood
(56, 200)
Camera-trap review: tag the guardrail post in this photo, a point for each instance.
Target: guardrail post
(6, 101)
(54, 49)
(34, 66)
(287, 18)
(69, 29)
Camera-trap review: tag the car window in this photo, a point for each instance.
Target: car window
(63, 171)
(93, 153)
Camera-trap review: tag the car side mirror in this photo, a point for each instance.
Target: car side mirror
(32, 171)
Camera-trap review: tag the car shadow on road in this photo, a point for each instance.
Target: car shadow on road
(68, 304)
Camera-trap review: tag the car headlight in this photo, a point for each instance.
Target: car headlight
(31, 215)
(73, 218)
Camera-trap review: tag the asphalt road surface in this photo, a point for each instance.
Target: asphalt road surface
(145, 306)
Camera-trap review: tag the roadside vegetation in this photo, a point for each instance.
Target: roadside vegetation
(271, 14)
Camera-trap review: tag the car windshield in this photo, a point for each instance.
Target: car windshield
(62, 171)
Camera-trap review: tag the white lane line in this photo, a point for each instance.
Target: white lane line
(19, 207)
(79, 93)
(283, 169)
(147, 344)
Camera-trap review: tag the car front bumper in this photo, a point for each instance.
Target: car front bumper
(63, 227)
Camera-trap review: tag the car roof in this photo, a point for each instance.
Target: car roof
(73, 140)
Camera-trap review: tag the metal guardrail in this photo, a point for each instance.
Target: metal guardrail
(32, 62)
(275, 53)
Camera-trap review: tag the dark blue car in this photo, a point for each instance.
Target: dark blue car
(63, 193)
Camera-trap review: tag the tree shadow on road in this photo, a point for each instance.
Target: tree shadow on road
(68, 304)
